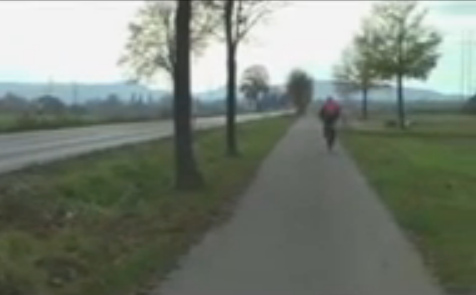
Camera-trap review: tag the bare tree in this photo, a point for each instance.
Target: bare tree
(239, 18)
(151, 44)
(187, 174)
(162, 38)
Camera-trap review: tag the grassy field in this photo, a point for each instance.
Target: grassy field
(110, 222)
(427, 177)
(10, 123)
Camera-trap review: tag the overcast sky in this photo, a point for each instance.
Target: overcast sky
(82, 41)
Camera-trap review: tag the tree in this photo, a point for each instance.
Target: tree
(78, 110)
(13, 103)
(470, 105)
(112, 107)
(113, 99)
(300, 89)
(187, 174)
(51, 105)
(239, 18)
(162, 39)
(165, 106)
(355, 71)
(401, 45)
(255, 84)
(151, 44)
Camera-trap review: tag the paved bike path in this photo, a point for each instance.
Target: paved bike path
(308, 225)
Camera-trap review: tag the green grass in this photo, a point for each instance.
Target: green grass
(427, 177)
(110, 222)
(10, 123)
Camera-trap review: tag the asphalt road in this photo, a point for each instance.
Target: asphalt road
(309, 224)
(19, 150)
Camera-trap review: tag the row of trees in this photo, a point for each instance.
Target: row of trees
(257, 90)
(165, 36)
(109, 108)
(470, 106)
(393, 44)
(46, 104)
(115, 108)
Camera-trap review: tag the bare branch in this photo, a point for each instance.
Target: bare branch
(151, 44)
(251, 23)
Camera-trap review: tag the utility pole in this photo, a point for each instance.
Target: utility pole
(467, 83)
(49, 86)
(463, 66)
(469, 64)
(75, 93)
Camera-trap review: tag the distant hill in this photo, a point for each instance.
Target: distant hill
(324, 88)
(84, 92)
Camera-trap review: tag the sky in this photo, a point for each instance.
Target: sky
(81, 41)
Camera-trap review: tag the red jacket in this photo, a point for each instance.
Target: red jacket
(330, 111)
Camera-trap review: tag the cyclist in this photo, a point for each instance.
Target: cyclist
(329, 114)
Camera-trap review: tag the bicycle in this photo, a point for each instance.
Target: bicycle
(330, 135)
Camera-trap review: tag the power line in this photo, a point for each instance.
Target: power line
(75, 93)
(462, 67)
(467, 82)
(469, 64)
(49, 86)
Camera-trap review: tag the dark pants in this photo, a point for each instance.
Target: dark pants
(329, 131)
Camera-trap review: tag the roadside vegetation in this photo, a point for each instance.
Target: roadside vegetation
(21, 114)
(426, 176)
(424, 170)
(170, 32)
(111, 222)
(393, 44)
(10, 124)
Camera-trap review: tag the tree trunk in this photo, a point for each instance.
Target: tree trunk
(400, 102)
(187, 174)
(231, 143)
(257, 105)
(365, 103)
